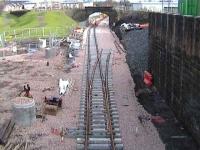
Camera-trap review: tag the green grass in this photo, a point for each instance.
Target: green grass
(50, 20)
(28, 20)
(58, 19)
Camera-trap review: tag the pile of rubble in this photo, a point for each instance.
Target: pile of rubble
(73, 44)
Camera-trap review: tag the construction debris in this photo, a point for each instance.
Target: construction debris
(51, 105)
(50, 110)
(26, 91)
(179, 137)
(38, 80)
(157, 120)
(56, 101)
(20, 145)
(40, 112)
(63, 85)
(55, 131)
(148, 79)
(47, 89)
(62, 134)
(143, 118)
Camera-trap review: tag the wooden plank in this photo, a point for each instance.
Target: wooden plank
(26, 146)
(7, 145)
(51, 110)
(179, 137)
(8, 132)
(4, 130)
(10, 147)
(18, 146)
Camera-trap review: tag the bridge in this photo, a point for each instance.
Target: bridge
(112, 13)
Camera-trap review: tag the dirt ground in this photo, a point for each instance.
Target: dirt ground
(16, 71)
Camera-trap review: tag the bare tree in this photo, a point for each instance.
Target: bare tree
(2, 4)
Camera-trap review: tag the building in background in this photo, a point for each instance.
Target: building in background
(16, 1)
(14, 5)
(155, 5)
(70, 4)
(137, 5)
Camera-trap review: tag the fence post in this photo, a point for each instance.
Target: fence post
(4, 35)
(15, 33)
(56, 30)
(22, 34)
(36, 32)
(43, 31)
(29, 32)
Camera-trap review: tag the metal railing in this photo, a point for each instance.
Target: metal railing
(40, 32)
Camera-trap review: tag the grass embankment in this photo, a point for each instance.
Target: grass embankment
(35, 24)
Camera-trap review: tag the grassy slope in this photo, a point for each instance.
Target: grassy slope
(58, 19)
(10, 22)
(50, 19)
(28, 20)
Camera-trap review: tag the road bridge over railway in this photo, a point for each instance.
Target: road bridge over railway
(112, 13)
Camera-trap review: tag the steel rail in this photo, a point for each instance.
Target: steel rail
(107, 99)
(105, 90)
(87, 120)
(89, 86)
(104, 79)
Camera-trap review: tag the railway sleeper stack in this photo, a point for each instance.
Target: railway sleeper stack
(99, 136)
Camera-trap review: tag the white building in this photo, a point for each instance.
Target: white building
(13, 7)
(58, 4)
(155, 5)
(29, 6)
(46, 4)
(70, 4)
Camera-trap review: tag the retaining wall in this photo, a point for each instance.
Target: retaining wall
(174, 60)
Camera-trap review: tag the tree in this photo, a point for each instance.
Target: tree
(2, 4)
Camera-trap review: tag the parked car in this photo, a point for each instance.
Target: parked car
(130, 26)
(137, 26)
(124, 26)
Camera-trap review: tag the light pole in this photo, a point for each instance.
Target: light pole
(169, 5)
(124, 6)
(46, 4)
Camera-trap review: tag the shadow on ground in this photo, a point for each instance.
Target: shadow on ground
(171, 132)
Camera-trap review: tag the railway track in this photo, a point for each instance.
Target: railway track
(98, 119)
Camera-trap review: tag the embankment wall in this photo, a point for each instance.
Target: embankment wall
(174, 61)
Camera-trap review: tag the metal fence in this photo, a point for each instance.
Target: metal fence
(40, 32)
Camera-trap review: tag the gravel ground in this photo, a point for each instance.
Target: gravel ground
(135, 135)
(15, 71)
(136, 44)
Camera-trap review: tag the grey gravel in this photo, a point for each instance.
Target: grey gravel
(136, 44)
